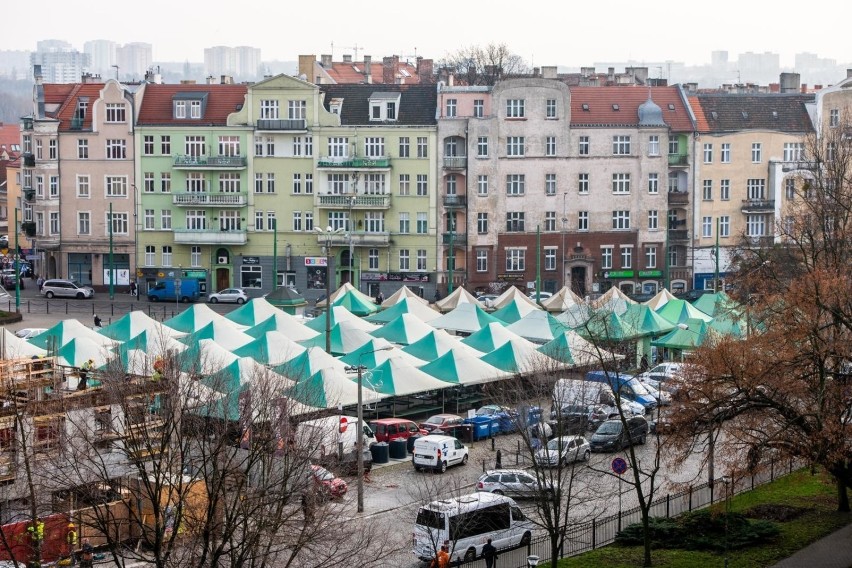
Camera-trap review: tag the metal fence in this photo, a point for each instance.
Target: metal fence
(589, 535)
(106, 309)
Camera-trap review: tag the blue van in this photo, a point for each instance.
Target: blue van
(164, 291)
(629, 387)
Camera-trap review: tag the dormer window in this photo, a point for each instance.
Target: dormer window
(383, 106)
(585, 106)
(335, 106)
(614, 107)
(390, 110)
(180, 109)
(189, 105)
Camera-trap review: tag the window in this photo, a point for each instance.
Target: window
(309, 184)
(166, 219)
(621, 219)
(651, 257)
(374, 222)
(550, 258)
(116, 112)
(621, 183)
(550, 146)
(195, 183)
(374, 184)
(422, 224)
(515, 260)
(482, 185)
(451, 184)
(197, 220)
(422, 185)
(150, 255)
(654, 183)
(54, 186)
(165, 145)
(390, 110)
(724, 226)
(583, 183)
(790, 188)
(272, 223)
(793, 151)
(514, 145)
(725, 189)
(621, 145)
(258, 183)
(706, 227)
(550, 221)
(756, 188)
(422, 147)
(373, 259)
(269, 109)
(404, 223)
(149, 220)
(195, 256)
(515, 221)
(229, 146)
(515, 184)
(297, 110)
(82, 149)
(674, 146)
(338, 220)
(116, 186)
(338, 147)
(195, 109)
(606, 257)
(404, 184)
(482, 146)
(84, 223)
(404, 260)
(452, 105)
(726, 153)
(404, 146)
(120, 223)
(654, 145)
(52, 149)
(582, 220)
(755, 225)
(297, 220)
(270, 183)
(258, 145)
(834, 117)
(40, 186)
(653, 219)
(421, 260)
(755, 153)
(708, 153)
(148, 145)
(116, 149)
(550, 108)
(258, 220)
(83, 188)
(830, 152)
(229, 183)
(251, 276)
(550, 184)
(482, 223)
(707, 190)
(478, 108)
(626, 257)
(584, 146)
(481, 260)
(515, 108)
(374, 147)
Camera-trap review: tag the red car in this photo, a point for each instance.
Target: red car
(442, 422)
(388, 429)
(328, 484)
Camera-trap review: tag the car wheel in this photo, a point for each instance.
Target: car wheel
(443, 467)
(153, 299)
(80, 296)
(586, 455)
(464, 460)
(498, 492)
(240, 301)
(470, 555)
(48, 295)
(184, 300)
(214, 300)
(417, 468)
(525, 540)
(642, 440)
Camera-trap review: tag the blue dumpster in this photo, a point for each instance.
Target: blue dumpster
(483, 426)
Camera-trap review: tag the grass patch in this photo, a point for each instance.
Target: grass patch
(813, 497)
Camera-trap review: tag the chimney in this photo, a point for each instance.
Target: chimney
(306, 65)
(227, 80)
(451, 79)
(211, 80)
(548, 72)
(347, 58)
(368, 68)
(587, 71)
(39, 78)
(790, 82)
(610, 74)
(817, 87)
(804, 88)
(388, 75)
(535, 71)
(325, 61)
(425, 70)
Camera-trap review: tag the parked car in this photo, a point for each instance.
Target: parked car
(387, 429)
(692, 295)
(610, 436)
(438, 452)
(660, 377)
(576, 417)
(328, 484)
(487, 300)
(563, 450)
(442, 423)
(495, 409)
(542, 295)
(30, 332)
(513, 482)
(66, 289)
(229, 295)
(8, 279)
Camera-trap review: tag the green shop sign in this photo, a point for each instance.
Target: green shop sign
(619, 274)
(650, 273)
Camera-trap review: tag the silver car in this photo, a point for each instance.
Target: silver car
(513, 482)
(66, 289)
(563, 450)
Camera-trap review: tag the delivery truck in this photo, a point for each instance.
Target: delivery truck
(174, 290)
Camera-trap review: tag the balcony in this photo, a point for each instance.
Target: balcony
(50, 242)
(678, 198)
(29, 160)
(344, 201)
(291, 124)
(29, 194)
(758, 206)
(209, 162)
(76, 123)
(210, 199)
(761, 241)
(451, 201)
(332, 162)
(455, 162)
(29, 228)
(676, 235)
(678, 160)
(359, 239)
(459, 239)
(210, 237)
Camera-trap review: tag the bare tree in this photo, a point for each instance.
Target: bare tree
(484, 65)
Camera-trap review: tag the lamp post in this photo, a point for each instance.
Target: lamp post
(328, 233)
(352, 200)
(359, 444)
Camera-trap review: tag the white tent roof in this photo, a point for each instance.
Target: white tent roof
(613, 300)
(213, 357)
(513, 293)
(466, 317)
(562, 300)
(459, 296)
(660, 300)
(197, 316)
(14, 347)
(289, 326)
(401, 294)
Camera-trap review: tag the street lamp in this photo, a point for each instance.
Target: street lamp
(359, 445)
(328, 233)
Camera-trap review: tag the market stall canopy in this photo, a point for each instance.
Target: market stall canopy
(395, 377)
(491, 337)
(271, 348)
(136, 322)
(197, 316)
(562, 300)
(538, 326)
(571, 348)
(66, 330)
(328, 388)
(403, 293)
(461, 367)
(376, 352)
(521, 356)
(575, 316)
(466, 318)
(81, 349)
(346, 336)
(718, 304)
(356, 302)
(404, 330)
(432, 346)
(660, 299)
(222, 332)
(405, 306)
(308, 363)
(613, 300)
(14, 347)
(514, 294)
(286, 298)
(154, 345)
(284, 324)
(204, 357)
(687, 335)
(609, 326)
(457, 298)
(253, 312)
(642, 317)
(515, 309)
(340, 314)
(679, 311)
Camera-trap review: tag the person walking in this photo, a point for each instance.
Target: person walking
(442, 560)
(489, 553)
(97, 321)
(87, 554)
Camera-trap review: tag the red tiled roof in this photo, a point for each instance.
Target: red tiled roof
(69, 94)
(349, 73)
(701, 124)
(600, 101)
(222, 100)
(10, 134)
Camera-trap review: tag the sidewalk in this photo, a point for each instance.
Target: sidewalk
(833, 551)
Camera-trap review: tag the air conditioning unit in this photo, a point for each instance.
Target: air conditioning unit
(223, 260)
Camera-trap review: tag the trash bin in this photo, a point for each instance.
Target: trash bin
(398, 449)
(380, 452)
(483, 426)
(410, 444)
(464, 432)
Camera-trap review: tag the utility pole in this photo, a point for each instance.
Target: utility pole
(111, 265)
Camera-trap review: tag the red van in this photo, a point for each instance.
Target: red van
(387, 429)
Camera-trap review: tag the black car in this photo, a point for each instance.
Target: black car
(611, 437)
(692, 295)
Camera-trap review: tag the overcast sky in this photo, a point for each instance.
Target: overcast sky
(554, 32)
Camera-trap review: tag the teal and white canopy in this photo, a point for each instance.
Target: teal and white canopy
(564, 299)
(13, 347)
(376, 352)
(513, 294)
(679, 311)
(81, 349)
(340, 314)
(346, 336)
(404, 330)
(403, 293)
(404, 306)
(329, 387)
(660, 299)
(538, 326)
(395, 377)
(271, 348)
(136, 322)
(515, 309)
(204, 357)
(308, 363)
(521, 356)
(462, 367)
(66, 330)
(283, 323)
(196, 317)
(490, 338)
(457, 298)
(466, 318)
(642, 317)
(253, 312)
(222, 332)
(432, 346)
(613, 300)
(572, 349)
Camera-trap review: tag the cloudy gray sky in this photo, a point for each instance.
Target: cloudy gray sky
(554, 32)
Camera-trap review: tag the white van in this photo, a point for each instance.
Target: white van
(324, 436)
(438, 452)
(569, 392)
(467, 523)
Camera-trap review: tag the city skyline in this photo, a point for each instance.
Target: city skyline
(594, 35)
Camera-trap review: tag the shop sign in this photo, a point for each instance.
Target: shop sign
(316, 261)
(650, 273)
(619, 274)
(251, 260)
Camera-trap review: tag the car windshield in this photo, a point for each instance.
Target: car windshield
(637, 387)
(76, 284)
(435, 420)
(574, 409)
(485, 411)
(609, 428)
(554, 444)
